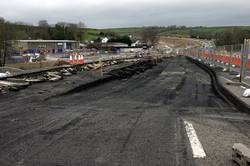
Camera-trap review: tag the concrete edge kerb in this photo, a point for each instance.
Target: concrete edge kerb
(220, 89)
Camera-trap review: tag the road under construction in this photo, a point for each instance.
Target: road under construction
(141, 114)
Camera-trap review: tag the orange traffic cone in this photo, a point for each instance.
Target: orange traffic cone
(70, 58)
(81, 59)
(75, 58)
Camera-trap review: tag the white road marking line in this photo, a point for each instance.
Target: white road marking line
(243, 87)
(198, 151)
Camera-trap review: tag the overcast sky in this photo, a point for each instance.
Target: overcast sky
(129, 13)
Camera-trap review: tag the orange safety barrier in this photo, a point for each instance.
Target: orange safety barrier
(248, 63)
(237, 63)
(220, 58)
(233, 60)
(216, 57)
(226, 59)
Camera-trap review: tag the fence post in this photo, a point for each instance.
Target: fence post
(230, 58)
(213, 56)
(1, 57)
(241, 61)
(101, 70)
(244, 57)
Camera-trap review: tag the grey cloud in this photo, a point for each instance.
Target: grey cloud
(125, 13)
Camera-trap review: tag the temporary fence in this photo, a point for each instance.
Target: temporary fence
(230, 57)
(230, 54)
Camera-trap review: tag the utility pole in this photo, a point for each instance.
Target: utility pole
(1, 57)
(4, 52)
(230, 58)
(244, 58)
(101, 70)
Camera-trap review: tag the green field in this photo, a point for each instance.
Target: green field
(91, 34)
(203, 30)
(219, 33)
(126, 31)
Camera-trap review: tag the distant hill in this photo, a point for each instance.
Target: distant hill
(223, 35)
(217, 33)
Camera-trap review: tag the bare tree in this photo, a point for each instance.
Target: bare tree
(22, 23)
(150, 36)
(43, 23)
(81, 25)
(71, 25)
(1, 20)
(61, 24)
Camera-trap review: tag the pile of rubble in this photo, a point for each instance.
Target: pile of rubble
(15, 84)
(21, 82)
(96, 66)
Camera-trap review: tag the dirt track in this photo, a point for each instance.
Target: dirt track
(134, 121)
(175, 42)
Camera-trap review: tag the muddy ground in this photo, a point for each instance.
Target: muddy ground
(130, 121)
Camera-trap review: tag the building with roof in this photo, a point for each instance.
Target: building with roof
(52, 46)
(105, 40)
(120, 47)
(114, 45)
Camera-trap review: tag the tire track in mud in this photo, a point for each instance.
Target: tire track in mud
(64, 130)
(41, 130)
(119, 131)
(126, 141)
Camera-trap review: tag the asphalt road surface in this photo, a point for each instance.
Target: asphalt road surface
(137, 121)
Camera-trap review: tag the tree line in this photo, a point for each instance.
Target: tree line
(226, 36)
(23, 31)
(221, 35)
(60, 31)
